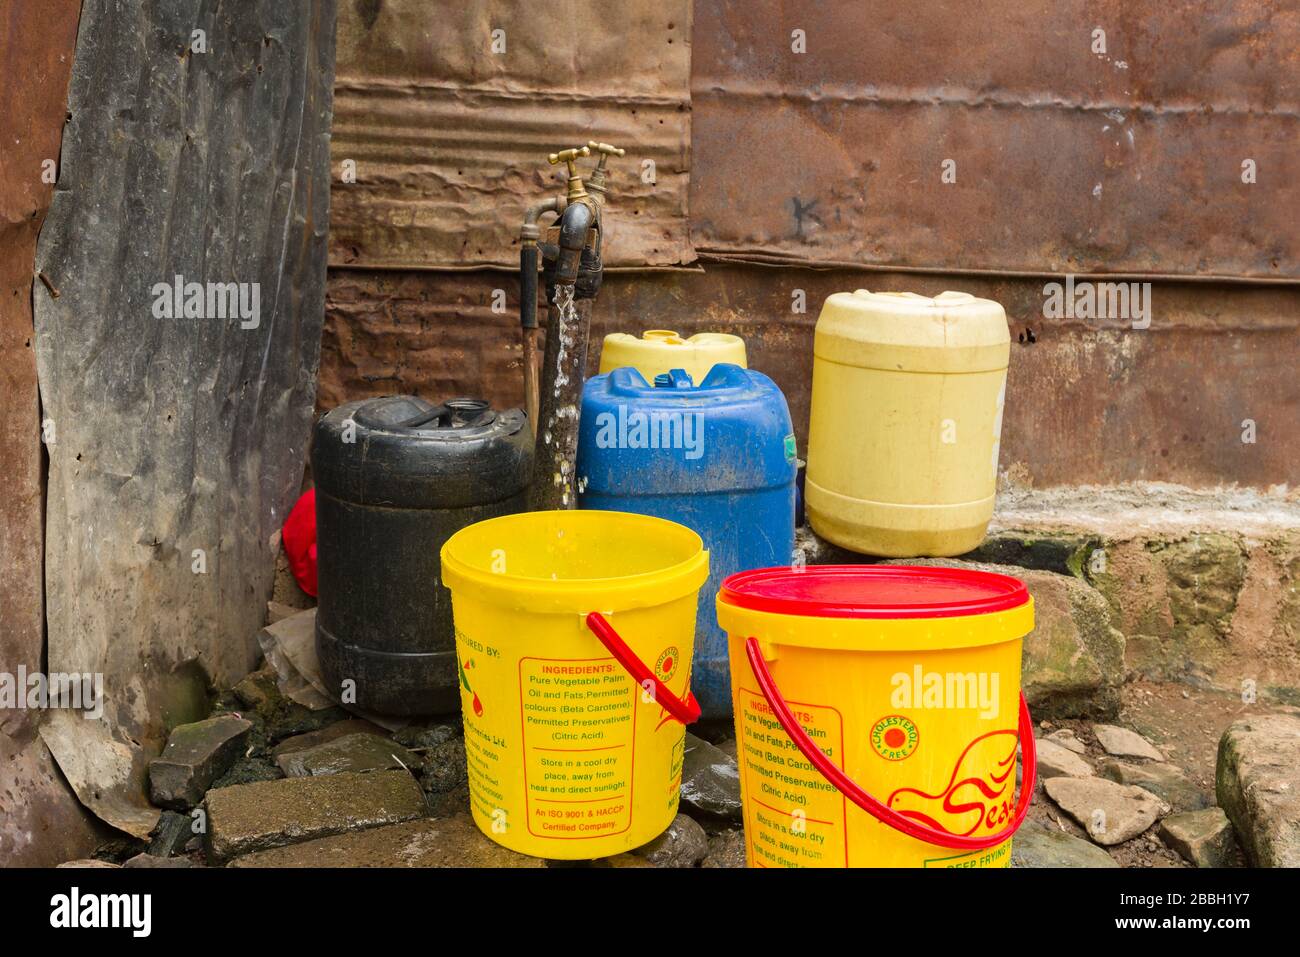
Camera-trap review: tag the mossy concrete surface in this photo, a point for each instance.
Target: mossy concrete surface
(196, 754)
(448, 842)
(1258, 785)
(1204, 585)
(266, 814)
(1073, 661)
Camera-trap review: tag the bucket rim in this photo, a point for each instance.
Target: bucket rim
(640, 588)
(969, 592)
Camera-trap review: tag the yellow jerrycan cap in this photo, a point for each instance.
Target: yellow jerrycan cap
(905, 331)
(660, 350)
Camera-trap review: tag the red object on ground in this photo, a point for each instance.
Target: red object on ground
(300, 541)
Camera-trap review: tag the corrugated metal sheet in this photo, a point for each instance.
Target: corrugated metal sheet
(1067, 160)
(41, 822)
(1126, 161)
(1087, 402)
(180, 440)
(449, 138)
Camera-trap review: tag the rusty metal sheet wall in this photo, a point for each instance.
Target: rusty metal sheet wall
(1087, 402)
(449, 139)
(1123, 162)
(41, 822)
(180, 439)
(1067, 160)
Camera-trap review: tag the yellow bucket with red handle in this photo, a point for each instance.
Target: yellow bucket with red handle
(575, 632)
(879, 714)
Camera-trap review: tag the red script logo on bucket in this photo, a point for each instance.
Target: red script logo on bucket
(980, 801)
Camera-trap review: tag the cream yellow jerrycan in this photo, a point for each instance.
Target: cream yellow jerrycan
(662, 350)
(907, 398)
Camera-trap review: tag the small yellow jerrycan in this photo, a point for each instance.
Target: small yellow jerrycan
(662, 350)
(907, 398)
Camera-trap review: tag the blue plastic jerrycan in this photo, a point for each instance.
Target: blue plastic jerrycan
(718, 458)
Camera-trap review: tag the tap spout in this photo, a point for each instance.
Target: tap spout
(575, 222)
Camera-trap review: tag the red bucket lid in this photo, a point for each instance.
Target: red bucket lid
(874, 591)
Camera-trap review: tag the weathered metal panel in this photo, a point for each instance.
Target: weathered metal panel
(1087, 402)
(41, 822)
(449, 138)
(37, 58)
(429, 334)
(1125, 160)
(1066, 159)
(179, 442)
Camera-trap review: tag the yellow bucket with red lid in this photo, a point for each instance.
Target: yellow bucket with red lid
(879, 714)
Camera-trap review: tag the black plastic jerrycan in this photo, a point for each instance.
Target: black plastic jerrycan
(395, 478)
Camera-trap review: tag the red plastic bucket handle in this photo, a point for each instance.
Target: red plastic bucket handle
(850, 789)
(687, 710)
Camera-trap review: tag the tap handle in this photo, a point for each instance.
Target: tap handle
(576, 190)
(605, 151)
(570, 157)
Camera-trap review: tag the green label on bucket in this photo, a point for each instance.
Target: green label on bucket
(791, 450)
(988, 857)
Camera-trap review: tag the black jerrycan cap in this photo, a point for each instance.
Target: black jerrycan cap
(408, 412)
(407, 452)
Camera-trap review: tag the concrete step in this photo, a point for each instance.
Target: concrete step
(245, 818)
(1203, 584)
(450, 842)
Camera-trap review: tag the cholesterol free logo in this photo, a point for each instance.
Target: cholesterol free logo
(651, 430)
(956, 690)
(74, 909)
(37, 691)
(894, 737)
(666, 665)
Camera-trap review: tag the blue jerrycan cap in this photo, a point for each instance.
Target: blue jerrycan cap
(674, 379)
(722, 379)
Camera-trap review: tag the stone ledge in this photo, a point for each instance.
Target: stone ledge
(450, 842)
(1203, 584)
(255, 817)
(1258, 786)
(1073, 661)
(1146, 510)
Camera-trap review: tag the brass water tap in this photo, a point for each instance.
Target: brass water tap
(596, 181)
(570, 157)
